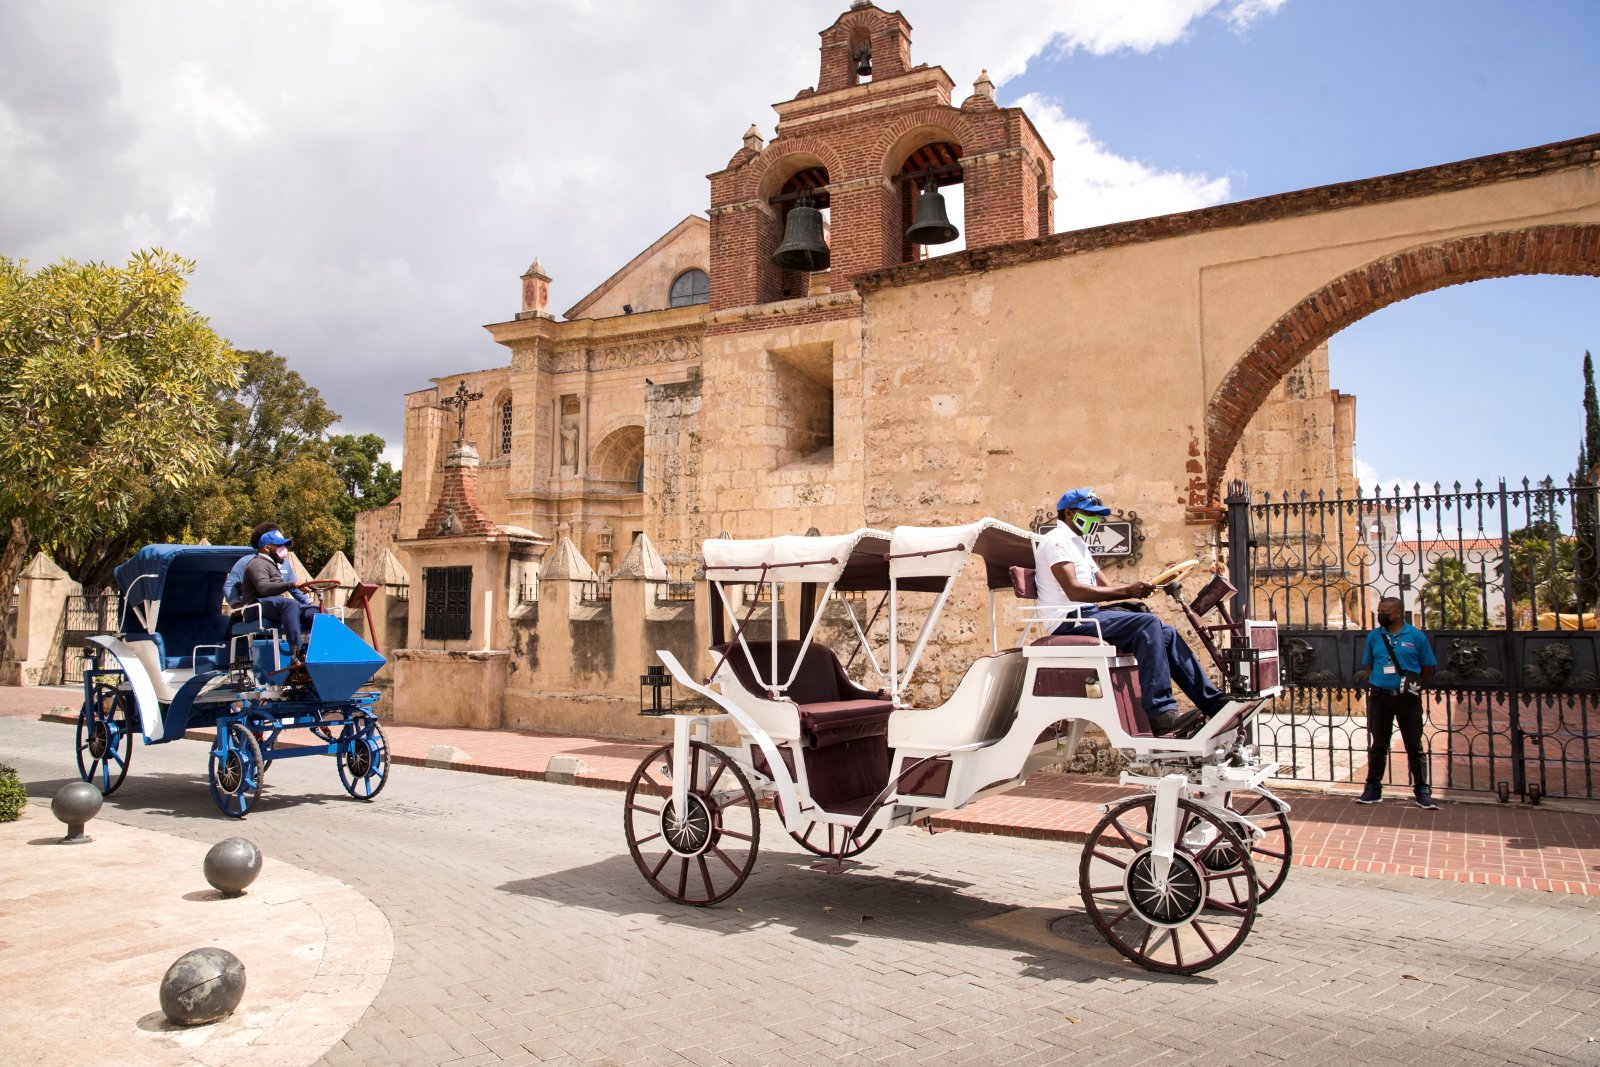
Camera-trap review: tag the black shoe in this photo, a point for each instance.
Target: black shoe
(1372, 794)
(1172, 723)
(1425, 800)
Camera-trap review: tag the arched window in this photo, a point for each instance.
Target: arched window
(690, 287)
(505, 427)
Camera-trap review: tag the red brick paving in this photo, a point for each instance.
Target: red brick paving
(1554, 847)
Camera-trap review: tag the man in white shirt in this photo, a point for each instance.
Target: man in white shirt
(1068, 577)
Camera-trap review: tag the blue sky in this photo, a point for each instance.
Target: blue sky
(1475, 381)
(362, 183)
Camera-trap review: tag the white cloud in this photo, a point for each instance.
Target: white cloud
(362, 183)
(1094, 185)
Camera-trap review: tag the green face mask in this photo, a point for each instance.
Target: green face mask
(1084, 523)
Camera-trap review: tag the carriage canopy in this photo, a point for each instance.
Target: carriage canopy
(193, 574)
(917, 558)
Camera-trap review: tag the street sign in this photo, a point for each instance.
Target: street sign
(1112, 539)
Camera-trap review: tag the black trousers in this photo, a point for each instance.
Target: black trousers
(1384, 710)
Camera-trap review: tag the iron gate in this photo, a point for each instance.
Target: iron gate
(85, 617)
(1502, 579)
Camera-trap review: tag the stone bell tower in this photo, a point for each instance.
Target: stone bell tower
(861, 146)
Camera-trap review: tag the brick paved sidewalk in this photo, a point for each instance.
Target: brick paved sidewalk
(1554, 847)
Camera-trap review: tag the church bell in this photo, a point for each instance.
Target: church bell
(803, 248)
(933, 226)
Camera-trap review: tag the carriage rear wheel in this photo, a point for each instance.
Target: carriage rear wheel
(1272, 854)
(704, 855)
(363, 756)
(105, 737)
(831, 840)
(1192, 919)
(235, 770)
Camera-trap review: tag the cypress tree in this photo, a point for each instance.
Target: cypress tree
(1585, 507)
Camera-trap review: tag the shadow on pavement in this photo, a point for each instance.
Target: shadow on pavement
(786, 892)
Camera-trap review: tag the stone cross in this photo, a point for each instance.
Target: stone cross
(459, 400)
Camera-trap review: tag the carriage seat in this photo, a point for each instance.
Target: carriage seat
(176, 639)
(833, 709)
(1025, 585)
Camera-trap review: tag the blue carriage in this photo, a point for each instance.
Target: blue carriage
(181, 661)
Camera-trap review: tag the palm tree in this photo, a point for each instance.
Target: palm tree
(1452, 596)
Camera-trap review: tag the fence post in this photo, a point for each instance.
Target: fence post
(1238, 502)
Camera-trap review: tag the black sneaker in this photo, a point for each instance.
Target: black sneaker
(1370, 795)
(1172, 723)
(1425, 800)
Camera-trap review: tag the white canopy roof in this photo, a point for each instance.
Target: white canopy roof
(941, 551)
(792, 558)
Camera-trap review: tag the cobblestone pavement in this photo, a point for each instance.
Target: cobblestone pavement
(524, 934)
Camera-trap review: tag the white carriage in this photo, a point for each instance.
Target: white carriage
(1172, 877)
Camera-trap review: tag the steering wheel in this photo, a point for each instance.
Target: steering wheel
(318, 586)
(1175, 572)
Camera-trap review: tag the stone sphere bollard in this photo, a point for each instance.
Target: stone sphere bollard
(232, 865)
(75, 804)
(202, 986)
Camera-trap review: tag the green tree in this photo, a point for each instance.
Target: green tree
(1540, 568)
(278, 462)
(1585, 507)
(106, 378)
(1452, 596)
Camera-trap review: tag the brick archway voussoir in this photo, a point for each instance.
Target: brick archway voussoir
(1556, 249)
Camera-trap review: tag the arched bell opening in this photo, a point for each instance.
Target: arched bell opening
(860, 55)
(800, 215)
(931, 196)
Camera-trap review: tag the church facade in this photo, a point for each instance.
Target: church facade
(710, 387)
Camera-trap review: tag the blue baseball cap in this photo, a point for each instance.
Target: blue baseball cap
(1082, 500)
(275, 538)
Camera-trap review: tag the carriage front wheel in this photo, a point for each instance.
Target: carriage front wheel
(704, 855)
(363, 756)
(236, 770)
(105, 737)
(1194, 918)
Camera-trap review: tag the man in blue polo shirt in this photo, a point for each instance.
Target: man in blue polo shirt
(1401, 662)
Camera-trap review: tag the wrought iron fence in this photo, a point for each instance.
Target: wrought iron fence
(1502, 578)
(596, 591)
(85, 616)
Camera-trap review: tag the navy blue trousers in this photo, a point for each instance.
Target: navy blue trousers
(289, 617)
(1164, 658)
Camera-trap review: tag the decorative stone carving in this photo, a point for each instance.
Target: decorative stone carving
(619, 357)
(449, 524)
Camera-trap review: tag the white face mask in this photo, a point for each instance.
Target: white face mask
(281, 552)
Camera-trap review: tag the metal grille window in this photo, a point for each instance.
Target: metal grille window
(447, 612)
(690, 287)
(505, 428)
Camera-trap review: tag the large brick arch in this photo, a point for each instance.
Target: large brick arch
(1354, 296)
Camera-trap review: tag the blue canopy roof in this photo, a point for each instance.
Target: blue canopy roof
(158, 561)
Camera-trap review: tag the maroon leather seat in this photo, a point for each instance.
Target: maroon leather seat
(833, 709)
(1025, 584)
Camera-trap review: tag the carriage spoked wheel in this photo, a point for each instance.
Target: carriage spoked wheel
(105, 737)
(363, 756)
(265, 729)
(235, 772)
(704, 855)
(1271, 855)
(1193, 919)
(831, 840)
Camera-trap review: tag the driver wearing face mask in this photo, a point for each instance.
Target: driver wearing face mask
(264, 583)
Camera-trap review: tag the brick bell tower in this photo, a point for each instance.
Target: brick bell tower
(861, 146)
